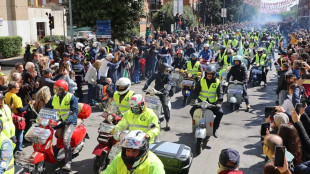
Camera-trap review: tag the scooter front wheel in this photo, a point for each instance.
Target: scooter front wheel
(232, 107)
(38, 168)
(101, 163)
(198, 146)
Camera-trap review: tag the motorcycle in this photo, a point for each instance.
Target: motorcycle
(222, 77)
(188, 84)
(235, 94)
(176, 80)
(153, 102)
(108, 146)
(42, 138)
(202, 124)
(256, 75)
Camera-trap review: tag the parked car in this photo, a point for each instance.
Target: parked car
(85, 35)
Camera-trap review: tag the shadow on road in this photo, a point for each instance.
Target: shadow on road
(255, 169)
(78, 167)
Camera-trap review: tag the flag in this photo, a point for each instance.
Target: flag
(240, 52)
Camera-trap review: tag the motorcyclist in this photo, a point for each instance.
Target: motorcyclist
(178, 61)
(190, 50)
(261, 59)
(206, 53)
(221, 54)
(6, 118)
(227, 42)
(6, 151)
(269, 53)
(235, 42)
(238, 72)
(247, 53)
(123, 94)
(227, 59)
(162, 78)
(64, 102)
(193, 65)
(135, 156)
(210, 89)
(139, 117)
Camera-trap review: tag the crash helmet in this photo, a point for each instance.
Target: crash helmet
(62, 84)
(226, 37)
(79, 46)
(230, 51)
(123, 83)
(260, 49)
(246, 45)
(238, 58)
(206, 45)
(87, 49)
(194, 55)
(223, 47)
(137, 104)
(134, 140)
(110, 42)
(210, 69)
(180, 52)
(163, 67)
(191, 44)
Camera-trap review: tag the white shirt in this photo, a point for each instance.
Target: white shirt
(104, 68)
(287, 104)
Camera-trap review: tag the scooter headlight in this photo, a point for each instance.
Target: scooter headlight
(110, 118)
(189, 75)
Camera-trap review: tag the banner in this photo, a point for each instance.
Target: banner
(271, 7)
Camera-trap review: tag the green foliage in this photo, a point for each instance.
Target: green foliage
(10, 46)
(55, 38)
(124, 14)
(168, 17)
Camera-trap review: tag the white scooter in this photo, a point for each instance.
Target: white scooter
(153, 102)
(235, 94)
(202, 124)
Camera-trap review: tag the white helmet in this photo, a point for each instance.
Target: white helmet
(137, 103)
(124, 82)
(87, 49)
(79, 46)
(206, 45)
(191, 44)
(138, 140)
(95, 44)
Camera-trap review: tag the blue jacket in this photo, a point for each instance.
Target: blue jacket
(303, 168)
(205, 55)
(297, 92)
(189, 52)
(74, 107)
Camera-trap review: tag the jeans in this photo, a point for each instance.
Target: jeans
(67, 134)
(90, 93)
(136, 79)
(152, 68)
(245, 94)
(19, 139)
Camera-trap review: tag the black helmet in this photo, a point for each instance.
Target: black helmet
(194, 55)
(163, 67)
(110, 42)
(210, 69)
(246, 45)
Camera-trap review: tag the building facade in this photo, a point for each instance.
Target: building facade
(304, 13)
(28, 19)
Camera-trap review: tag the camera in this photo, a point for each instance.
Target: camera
(270, 110)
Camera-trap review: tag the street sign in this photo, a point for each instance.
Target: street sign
(104, 29)
(224, 12)
(177, 7)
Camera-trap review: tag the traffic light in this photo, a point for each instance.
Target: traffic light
(160, 17)
(51, 22)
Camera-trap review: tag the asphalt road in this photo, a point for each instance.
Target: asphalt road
(239, 130)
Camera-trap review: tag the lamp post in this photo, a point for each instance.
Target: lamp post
(71, 25)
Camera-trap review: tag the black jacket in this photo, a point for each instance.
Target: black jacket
(178, 62)
(219, 90)
(160, 81)
(304, 138)
(79, 73)
(282, 84)
(238, 72)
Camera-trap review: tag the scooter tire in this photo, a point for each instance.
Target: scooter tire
(38, 168)
(198, 145)
(185, 101)
(232, 107)
(101, 162)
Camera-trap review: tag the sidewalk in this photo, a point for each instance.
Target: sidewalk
(10, 62)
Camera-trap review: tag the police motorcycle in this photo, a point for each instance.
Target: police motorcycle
(202, 124)
(188, 84)
(153, 102)
(41, 136)
(108, 146)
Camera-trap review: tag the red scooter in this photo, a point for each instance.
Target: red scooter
(42, 138)
(107, 143)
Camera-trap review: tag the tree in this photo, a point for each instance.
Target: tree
(124, 15)
(168, 18)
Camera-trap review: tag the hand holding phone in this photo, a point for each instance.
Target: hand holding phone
(264, 127)
(279, 156)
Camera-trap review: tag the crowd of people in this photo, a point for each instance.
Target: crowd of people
(50, 77)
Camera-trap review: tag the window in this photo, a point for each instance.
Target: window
(44, 2)
(60, 1)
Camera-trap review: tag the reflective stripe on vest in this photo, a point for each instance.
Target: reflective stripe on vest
(123, 106)
(6, 118)
(62, 108)
(221, 56)
(206, 93)
(260, 60)
(107, 48)
(225, 61)
(104, 93)
(10, 169)
(251, 45)
(194, 70)
(246, 52)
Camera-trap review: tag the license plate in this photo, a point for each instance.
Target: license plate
(152, 100)
(188, 82)
(105, 127)
(48, 114)
(234, 91)
(257, 71)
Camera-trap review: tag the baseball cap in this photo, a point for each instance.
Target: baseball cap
(229, 155)
(280, 118)
(48, 70)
